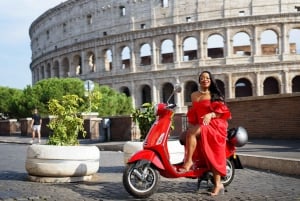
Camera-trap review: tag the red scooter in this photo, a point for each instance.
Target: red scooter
(142, 173)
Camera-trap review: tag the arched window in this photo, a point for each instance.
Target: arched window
(125, 58)
(215, 46)
(78, 65)
(167, 91)
(91, 61)
(190, 48)
(146, 94)
(269, 43)
(125, 90)
(108, 60)
(221, 86)
(243, 88)
(241, 44)
(294, 41)
(42, 72)
(167, 51)
(190, 87)
(296, 84)
(65, 67)
(271, 86)
(48, 71)
(56, 69)
(145, 54)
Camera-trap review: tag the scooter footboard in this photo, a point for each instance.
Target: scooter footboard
(147, 155)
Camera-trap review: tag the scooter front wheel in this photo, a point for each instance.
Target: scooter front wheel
(140, 179)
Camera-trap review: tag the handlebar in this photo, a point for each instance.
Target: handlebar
(171, 106)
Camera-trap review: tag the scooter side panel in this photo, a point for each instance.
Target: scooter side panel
(147, 155)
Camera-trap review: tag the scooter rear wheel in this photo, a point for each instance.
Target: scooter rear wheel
(140, 179)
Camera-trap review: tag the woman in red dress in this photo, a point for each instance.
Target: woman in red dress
(208, 123)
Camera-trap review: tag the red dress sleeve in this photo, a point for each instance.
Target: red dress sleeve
(221, 108)
(192, 116)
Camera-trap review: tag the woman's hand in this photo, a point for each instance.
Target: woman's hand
(208, 117)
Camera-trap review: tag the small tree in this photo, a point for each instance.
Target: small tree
(145, 117)
(67, 123)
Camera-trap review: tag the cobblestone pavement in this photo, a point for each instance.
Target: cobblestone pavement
(249, 184)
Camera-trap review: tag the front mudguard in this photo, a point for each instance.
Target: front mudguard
(236, 161)
(148, 155)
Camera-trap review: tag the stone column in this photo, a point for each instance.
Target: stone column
(178, 51)
(155, 55)
(259, 86)
(132, 59)
(257, 45)
(230, 90)
(285, 48)
(84, 64)
(25, 126)
(91, 126)
(227, 44)
(155, 92)
(116, 62)
(202, 46)
(8, 127)
(287, 85)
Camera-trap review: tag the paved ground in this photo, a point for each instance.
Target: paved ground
(107, 184)
(249, 184)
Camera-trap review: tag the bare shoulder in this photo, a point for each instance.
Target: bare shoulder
(195, 95)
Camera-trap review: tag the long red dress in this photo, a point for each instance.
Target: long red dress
(213, 136)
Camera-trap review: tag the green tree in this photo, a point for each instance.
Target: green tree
(8, 97)
(103, 99)
(114, 103)
(38, 95)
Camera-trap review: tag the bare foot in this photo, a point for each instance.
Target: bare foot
(218, 190)
(186, 166)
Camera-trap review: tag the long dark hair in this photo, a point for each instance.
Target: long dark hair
(216, 94)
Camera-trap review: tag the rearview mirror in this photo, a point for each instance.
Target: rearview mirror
(177, 88)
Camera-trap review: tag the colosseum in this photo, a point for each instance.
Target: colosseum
(142, 47)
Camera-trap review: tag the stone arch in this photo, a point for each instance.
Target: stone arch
(125, 90)
(167, 89)
(77, 61)
(56, 69)
(243, 88)
(146, 94)
(190, 48)
(269, 42)
(167, 51)
(145, 54)
(48, 70)
(65, 67)
(296, 84)
(42, 71)
(241, 44)
(215, 46)
(271, 86)
(125, 57)
(294, 41)
(91, 61)
(189, 88)
(108, 57)
(221, 86)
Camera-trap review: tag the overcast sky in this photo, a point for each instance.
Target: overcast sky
(16, 17)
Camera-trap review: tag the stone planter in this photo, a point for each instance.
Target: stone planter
(48, 163)
(176, 150)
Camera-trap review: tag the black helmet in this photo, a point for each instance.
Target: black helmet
(238, 137)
